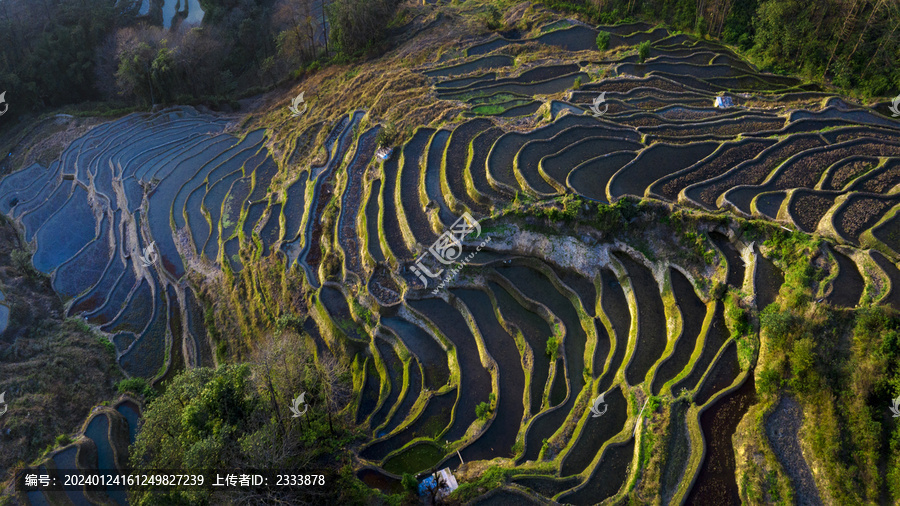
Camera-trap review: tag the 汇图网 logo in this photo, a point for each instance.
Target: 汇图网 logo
(598, 101)
(595, 407)
(894, 107)
(150, 255)
(295, 407)
(895, 409)
(295, 105)
(448, 248)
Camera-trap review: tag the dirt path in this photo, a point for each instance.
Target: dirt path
(782, 427)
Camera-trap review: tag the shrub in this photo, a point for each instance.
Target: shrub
(876, 350)
(387, 135)
(608, 217)
(409, 482)
(870, 323)
(696, 244)
(289, 321)
(492, 478)
(492, 18)
(644, 50)
(363, 312)
(797, 283)
(777, 324)
(569, 211)
(552, 347)
(483, 410)
(108, 346)
(603, 41)
(63, 440)
(803, 361)
(615, 216)
(770, 380)
(136, 386)
(577, 83)
(592, 12)
(21, 260)
(739, 316)
(610, 17)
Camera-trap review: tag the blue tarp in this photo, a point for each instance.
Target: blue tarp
(426, 485)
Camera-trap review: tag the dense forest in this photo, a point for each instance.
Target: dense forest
(853, 43)
(59, 52)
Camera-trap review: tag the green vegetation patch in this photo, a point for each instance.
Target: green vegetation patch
(844, 368)
(414, 458)
(232, 417)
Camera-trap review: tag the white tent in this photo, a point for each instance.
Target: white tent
(384, 153)
(724, 102)
(448, 479)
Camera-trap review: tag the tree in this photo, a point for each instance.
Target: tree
(846, 29)
(409, 482)
(299, 27)
(47, 48)
(552, 347)
(238, 417)
(644, 50)
(143, 61)
(134, 76)
(492, 19)
(602, 40)
(862, 34)
(483, 411)
(357, 24)
(162, 72)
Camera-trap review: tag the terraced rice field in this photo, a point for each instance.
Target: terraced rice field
(101, 444)
(136, 206)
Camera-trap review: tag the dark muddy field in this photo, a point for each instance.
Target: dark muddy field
(716, 482)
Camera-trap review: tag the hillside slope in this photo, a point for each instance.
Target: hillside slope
(709, 247)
